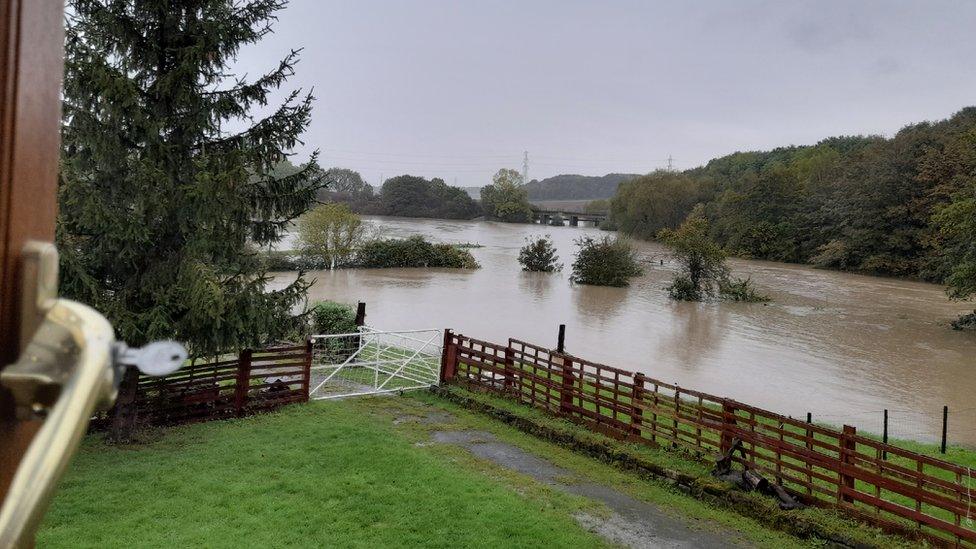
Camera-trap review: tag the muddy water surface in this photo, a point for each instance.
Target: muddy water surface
(841, 346)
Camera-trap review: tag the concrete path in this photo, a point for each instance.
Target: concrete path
(633, 523)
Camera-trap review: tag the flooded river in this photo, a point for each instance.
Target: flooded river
(841, 346)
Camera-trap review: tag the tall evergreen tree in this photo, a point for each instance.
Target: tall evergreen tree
(168, 181)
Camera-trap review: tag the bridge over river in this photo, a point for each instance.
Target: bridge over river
(560, 217)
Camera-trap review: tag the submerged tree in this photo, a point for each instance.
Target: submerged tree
(604, 262)
(702, 260)
(166, 178)
(703, 270)
(330, 233)
(539, 255)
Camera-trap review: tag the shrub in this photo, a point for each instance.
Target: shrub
(683, 289)
(329, 317)
(740, 289)
(833, 255)
(703, 269)
(539, 255)
(289, 260)
(702, 260)
(604, 262)
(413, 252)
(965, 322)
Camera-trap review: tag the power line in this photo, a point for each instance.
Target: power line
(418, 162)
(491, 157)
(420, 155)
(596, 160)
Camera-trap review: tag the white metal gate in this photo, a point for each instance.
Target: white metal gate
(373, 362)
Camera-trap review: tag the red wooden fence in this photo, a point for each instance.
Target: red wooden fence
(253, 381)
(900, 490)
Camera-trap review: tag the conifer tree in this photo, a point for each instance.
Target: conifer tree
(167, 182)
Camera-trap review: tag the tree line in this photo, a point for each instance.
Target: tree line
(505, 199)
(901, 206)
(576, 187)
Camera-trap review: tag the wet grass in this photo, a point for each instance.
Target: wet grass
(688, 463)
(364, 472)
(695, 513)
(687, 438)
(321, 474)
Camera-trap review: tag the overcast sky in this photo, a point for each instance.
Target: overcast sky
(458, 89)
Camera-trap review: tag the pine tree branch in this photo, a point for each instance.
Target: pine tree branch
(264, 142)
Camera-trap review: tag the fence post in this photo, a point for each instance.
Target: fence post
(848, 447)
(361, 314)
(566, 388)
(243, 382)
(884, 436)
(307, 374)
(809, 445)
(636, 412)
(945, 425)
(360, 321)
(448, 357)
(561, 339)
(124, 415)
(677, 414)
(654, 414)
(728, 424)
(510, 370)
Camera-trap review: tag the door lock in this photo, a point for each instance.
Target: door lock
(69, 366)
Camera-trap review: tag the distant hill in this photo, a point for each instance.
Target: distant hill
(576, 187)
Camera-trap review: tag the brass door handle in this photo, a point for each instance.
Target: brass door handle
(70, 367)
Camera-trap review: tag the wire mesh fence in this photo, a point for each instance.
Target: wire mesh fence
(936, 425)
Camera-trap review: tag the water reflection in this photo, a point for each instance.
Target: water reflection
(537, 285)
(695, 333)
(599, 303)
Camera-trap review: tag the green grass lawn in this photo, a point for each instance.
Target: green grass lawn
(361, 472)
(322, 474)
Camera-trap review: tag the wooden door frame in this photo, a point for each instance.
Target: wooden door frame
(31, 67)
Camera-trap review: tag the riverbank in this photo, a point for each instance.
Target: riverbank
(405, 471)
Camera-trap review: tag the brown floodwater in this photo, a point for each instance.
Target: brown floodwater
(839, 345)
